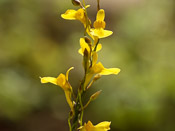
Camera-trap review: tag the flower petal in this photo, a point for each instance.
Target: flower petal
(100, 15)
(101, 33)
(110, 71)
(97, 68)
(61, 80)
(79, 15)
(67, 73)
(69, 14)
(52, 80)
(94, 58)
(104, 126)
(83, 46)
(87, 6)
(68, 98)
(99, 47)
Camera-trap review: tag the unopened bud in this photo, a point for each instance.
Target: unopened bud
(76, 2)
(96, 77)
(87, 40)
(85, 59)
(95, 95)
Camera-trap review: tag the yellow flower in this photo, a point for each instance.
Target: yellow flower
(85, 45)
(62, 81)
(98, 68)
(99, 26)
(75, 15)
(102, 126)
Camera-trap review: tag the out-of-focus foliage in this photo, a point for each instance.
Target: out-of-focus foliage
(35, 41)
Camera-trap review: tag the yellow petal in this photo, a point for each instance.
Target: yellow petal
(110, 71)
(49, 80)
(101, 33)
(61, 80)
(88, 30)
(79, 15)
(80, 51)
(94, 58)
(67, 73)
(68, 98)
(100, 15)
(83, 46)
(88, 78)
(87, 6)
(104, 126)
(87, 127)
(99, 24)
(99, 47)
(97, 68)
(69, 15)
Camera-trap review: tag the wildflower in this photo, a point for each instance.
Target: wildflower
(102, 126)
(99, 26)
(98, 68)
(62, 81)
(86, 46)
(75, 15)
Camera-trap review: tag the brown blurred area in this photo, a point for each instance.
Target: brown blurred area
(35, 41)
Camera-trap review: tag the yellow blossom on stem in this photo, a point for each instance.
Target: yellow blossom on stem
(99, 26)
(98, 68)
(75, 15)
(102, 126)
(62, 81)
(85, 45)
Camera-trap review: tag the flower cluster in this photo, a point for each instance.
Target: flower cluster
(93, 70)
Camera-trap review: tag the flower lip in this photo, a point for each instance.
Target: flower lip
(99, 24)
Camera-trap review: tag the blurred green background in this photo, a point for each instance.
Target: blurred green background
(35, 41)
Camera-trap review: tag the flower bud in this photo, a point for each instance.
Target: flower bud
(87, 40)
(85, 59)
(95, 95)
(96, 77)
(76, 2)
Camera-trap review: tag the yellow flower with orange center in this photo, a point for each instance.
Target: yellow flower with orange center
(99, 26)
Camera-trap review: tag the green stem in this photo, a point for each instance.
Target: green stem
(96, 44)
(87, 19)
(70, 127)
(81, 110)
(78, 117)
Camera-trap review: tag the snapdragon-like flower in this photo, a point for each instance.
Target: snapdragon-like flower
(62, 81)
(84, 45)
(99, 26)
(75, 15)
(98, 68)
(102, 126)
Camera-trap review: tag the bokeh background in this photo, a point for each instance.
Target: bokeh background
(35, 41)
